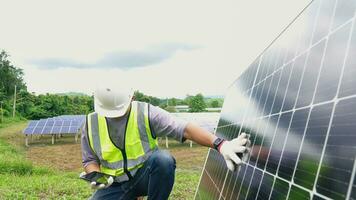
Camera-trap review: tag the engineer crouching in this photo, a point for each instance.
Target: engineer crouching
(120, 140)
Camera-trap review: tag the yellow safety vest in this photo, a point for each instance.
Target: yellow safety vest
(139, 143)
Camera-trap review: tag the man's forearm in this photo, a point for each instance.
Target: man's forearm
(199, 135)
(92, 167)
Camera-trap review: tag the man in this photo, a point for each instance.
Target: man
(120, 140)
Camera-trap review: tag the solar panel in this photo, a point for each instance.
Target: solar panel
(205, 120)
(297, 100)
(65, 124)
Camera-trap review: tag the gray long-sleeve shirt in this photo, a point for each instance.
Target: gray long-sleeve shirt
(162, 124)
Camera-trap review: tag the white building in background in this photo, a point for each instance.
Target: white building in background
(185, 108)
(213, 109)
(182, 108)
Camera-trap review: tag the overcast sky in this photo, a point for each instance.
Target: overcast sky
(163, 48)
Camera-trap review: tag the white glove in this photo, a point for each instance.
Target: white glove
(229, 150)
(94, 185)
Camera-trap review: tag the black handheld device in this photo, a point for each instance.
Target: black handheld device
(98, 177)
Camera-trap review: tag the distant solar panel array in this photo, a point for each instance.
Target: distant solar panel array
(206, 120)
(64, 124)
(297, 100)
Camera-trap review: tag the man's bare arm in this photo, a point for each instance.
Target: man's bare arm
(92, 167)
(199, 135)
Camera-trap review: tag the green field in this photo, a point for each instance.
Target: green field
(43, 172)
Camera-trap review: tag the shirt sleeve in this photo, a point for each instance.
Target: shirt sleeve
(165, 124)
(88, 156)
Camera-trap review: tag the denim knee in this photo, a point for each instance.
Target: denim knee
(163, 161)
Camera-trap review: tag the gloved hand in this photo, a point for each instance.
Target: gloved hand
(96, 186)
(230, 150)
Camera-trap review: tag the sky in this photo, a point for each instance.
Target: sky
(163, 48)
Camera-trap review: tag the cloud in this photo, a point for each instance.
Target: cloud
(119, 59)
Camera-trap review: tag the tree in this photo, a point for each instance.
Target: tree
(187, 100)
(154, 101)
(10, 76)
(139, 96)
(197, 103)
(215, 104)
(172, 101)
(2, 94)
(33, 106)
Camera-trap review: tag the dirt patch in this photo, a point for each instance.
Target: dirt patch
(65, 157)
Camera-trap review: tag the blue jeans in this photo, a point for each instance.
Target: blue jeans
(154, 179)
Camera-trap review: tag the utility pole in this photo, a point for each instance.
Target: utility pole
(14, 107)
(2, 113)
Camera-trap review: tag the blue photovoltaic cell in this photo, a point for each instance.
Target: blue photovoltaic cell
(30, 127)
(42, 122)
(65, 129)
(58, 123)
(47, 130)
(32, 123)
(38, 130)
(56, 129)
(73, 129)
(66, 123)
(297, 100)
(265, 187)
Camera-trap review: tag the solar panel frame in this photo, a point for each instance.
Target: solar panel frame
(317, 49)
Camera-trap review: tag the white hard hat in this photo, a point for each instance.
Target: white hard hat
(112, 102)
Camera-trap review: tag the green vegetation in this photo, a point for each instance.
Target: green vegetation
(10, 121)
(20, 179)
(214, 102)
(197, 103)
(29, 105)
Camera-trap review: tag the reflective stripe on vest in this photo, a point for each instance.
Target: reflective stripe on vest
(139, 143)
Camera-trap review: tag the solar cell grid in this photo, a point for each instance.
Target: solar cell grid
(297, 100)
(331, 70)
(32, 123)
(30, 127)
(293, 142)
(254, 184)
(339, 151)
(348, 81)
(298, 193)
(66, 124)
(280, 189)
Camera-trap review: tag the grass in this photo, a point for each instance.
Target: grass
(189, 166)
(29, 173)
(20, 179)
(8, 121)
